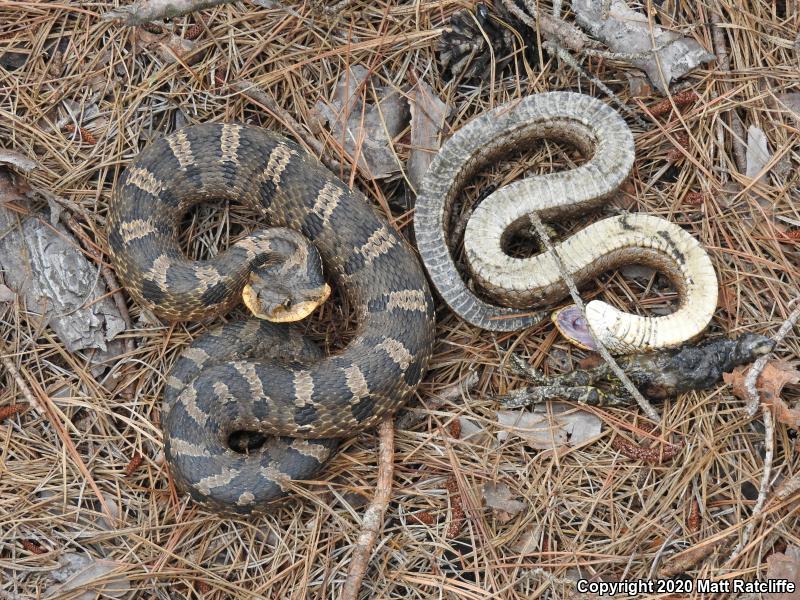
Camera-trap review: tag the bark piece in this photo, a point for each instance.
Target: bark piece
(627, 31)
(143, 11)
(428, 114)
(43, 265)
(17, 160)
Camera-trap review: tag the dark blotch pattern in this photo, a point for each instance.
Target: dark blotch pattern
(273, 361)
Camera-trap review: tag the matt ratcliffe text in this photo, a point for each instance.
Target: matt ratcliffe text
(634, 587)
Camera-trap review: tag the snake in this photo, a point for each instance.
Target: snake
(509, 286)
(253, 406)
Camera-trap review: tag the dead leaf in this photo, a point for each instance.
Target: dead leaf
(528, 541)
(83, 572)
(638, 84)
(791, 101)
(628, 31)
(785, 566)
(169, 47)
(758, 154)
(500, 498)
(770, 383)
(550, 426)
(428, 114)
(473, 433)
(12, 188)
(366, 130)
(7, 294)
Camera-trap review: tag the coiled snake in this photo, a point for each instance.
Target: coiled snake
(256, 376)
(605, 139)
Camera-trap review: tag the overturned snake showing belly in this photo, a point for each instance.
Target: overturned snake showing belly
(602, 136)
(264, 379)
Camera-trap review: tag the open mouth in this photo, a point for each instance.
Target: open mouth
(284, 314)
(573, 326)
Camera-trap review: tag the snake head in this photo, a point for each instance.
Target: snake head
(571, 323)
(289, 288)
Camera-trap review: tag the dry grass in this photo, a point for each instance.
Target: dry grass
(590, 511)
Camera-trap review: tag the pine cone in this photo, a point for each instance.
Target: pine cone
(463, 49)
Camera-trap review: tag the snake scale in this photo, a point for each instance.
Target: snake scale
(255, 376)
(604, 138)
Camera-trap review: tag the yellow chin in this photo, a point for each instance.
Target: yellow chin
(280, 314)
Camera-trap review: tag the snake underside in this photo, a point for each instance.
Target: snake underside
(522, 283)
(253, 376)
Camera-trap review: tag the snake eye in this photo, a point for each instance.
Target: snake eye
(287, 303)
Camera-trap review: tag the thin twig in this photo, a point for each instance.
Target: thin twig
(570, 61)
(541, 231)
(755, 518)
(9, 366)
(373, 516)
(758, 365)
(724, 64)
(552, 28)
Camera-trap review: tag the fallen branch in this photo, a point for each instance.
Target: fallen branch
(373, 517)
(144, 11)
(769, 443)
(552, 27)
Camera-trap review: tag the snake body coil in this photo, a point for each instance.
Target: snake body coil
(604, 138)
(253, 375)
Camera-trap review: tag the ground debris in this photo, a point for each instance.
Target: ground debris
(42, 264)
(475, 44)
(81, 571)
(658, 375)
(169, 48)
(775, 376)
(366, 130)
(625, 30)
(547, 429)
(143, 11)
(428, 114)
(500, 498)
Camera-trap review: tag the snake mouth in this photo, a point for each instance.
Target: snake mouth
(573, 326)
(284, 313)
